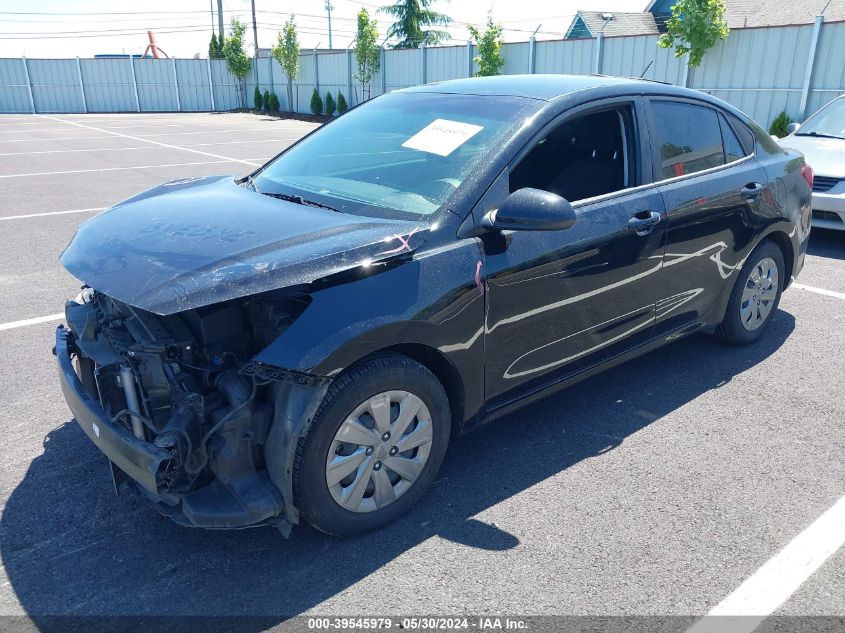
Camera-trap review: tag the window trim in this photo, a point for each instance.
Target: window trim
(655, 150)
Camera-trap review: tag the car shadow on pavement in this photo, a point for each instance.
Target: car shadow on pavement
(827, 243)
(70, 547)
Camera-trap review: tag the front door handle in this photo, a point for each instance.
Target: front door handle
(751, 190)
(644, 222)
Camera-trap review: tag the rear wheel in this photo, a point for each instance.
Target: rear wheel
(755, 296)
(376, 444)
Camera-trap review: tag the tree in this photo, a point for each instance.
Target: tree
(266, 101)
(214, 50)
(489, 58)
(412, 16)
(778, 126)
(236, 58)
(274, 103)
(316, 103)
(256, 98)
(330, 106)
(367, 52)
(286, 52)
(341, 103)
(694, 27)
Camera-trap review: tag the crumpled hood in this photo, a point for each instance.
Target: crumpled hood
(200, 241)
(825, 155)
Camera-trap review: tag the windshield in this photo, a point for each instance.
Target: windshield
(829, 121)
(401, 155)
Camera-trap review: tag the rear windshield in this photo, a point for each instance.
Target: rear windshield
(401, 155)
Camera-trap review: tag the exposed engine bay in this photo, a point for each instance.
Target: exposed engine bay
(184, 386)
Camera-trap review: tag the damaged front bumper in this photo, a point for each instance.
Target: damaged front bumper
(208, 454)
(142, 461)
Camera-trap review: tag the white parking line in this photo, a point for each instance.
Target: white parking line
(772, 585)
(83, 171)
(39, 215)
(145, 140)
(149, 147)
(11, 325)
(820, 291)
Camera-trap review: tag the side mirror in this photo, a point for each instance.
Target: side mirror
(792, 128)
(531, 209)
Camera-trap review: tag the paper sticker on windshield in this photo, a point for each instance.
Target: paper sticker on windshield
(442, 136)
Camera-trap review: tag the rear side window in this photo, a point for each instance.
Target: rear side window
(688, 136)
(745, 136)
(733, 149)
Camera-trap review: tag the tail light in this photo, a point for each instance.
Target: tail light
(808, 174)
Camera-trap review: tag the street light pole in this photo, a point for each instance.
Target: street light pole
(329, 8)
(254, 30)
(220, 20)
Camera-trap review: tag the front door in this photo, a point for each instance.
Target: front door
(560, 302)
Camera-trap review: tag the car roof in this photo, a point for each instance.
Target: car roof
(546, 87)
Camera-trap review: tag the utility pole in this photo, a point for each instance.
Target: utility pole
(329, 8)
(220, 20)
(211, 7)
(254, 30)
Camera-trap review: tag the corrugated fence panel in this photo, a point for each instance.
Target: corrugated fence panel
(226, 89)
(829, 68)
(640, 57)
(404, 68)
(14, 95)
(446, 62)
(516, 58)
(760, 71)
(194, 94)
(55, 85)
(574, 57)
(156, 85)
(108, 85)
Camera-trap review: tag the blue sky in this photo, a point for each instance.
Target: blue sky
(183, 27)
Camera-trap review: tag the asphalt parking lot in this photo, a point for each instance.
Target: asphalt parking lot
(657, 488)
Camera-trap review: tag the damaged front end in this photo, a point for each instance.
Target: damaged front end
(180, 409)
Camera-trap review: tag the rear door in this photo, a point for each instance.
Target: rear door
(711, 184)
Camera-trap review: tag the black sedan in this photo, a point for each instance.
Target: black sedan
(301, 343)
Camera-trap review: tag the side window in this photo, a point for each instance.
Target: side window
(733, 149)
(583, 157)
(745, 136)
(689, 138)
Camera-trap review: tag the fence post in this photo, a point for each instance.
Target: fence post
(81, 85)
(210, 84)
(134, 84)
(349, 76)
(316, 72)
(383, 70)
(808, 73)
(176, 85)
(423, 60)
(598, 59)
(532, 48)
(28, 85)
(270, 69)
(469, 58)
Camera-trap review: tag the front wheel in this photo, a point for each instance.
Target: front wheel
(377, 442)
(755, 296)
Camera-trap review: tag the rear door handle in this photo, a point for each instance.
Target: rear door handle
(751, 190)
(644, 222)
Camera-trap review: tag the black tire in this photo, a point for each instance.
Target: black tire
(731, 329)
(352, 388)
